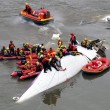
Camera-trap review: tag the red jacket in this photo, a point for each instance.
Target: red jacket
(73, 38)
(44, 61)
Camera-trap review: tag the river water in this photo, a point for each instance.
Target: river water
(84, 18)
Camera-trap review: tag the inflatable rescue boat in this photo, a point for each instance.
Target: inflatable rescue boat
(9, 57)
(41, 16)
(96, 66)
(25, 74)
(29, 75)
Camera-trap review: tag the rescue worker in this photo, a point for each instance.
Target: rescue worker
(6, 52)
(51, 51)
(41, 58)
(17, 52)
(28, 65)
(3, 49)
(38, 48)
(26, 46)
(53, 62)
(21, 52)
(89, 44)
(73, 39)
(33, 49)
(72, 47)
(40, 54)
(59, 53)
(56, 63)
(65, 52)
(63, 47)
(46, 64)
(11, 48)
(60, 43)
(84, 43)
(42, 47)
(28, 9)
(39, 66)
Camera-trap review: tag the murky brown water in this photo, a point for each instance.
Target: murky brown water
(82, 17)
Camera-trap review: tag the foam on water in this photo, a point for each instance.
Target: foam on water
(105, 18)
(56, 28)
(18, 20)
(43, 28)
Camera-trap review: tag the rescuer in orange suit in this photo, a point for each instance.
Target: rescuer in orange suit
(28, 9)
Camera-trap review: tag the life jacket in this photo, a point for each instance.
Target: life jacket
(73, 38)
(60, 54)
(33, 49)
(39, 67)
(30, 56)
(60, 43)
(51, 52)
(44, 61)
(40, 54)
(29, 9)
(5, 52)
(84, 43)
(45, 53)
(11, 46)
(28, 65)
(74, 48)
(21, 52)
(41, 15)
(71, 47)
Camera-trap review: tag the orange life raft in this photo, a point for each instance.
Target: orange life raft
(96, 66)
(41, 16)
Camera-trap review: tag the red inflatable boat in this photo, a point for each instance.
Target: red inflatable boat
(41, 16)
(32, 56)
(97, 66)
(23, 62)
(29, 75)
(9, 58)
(23, 66)
(19, 73)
